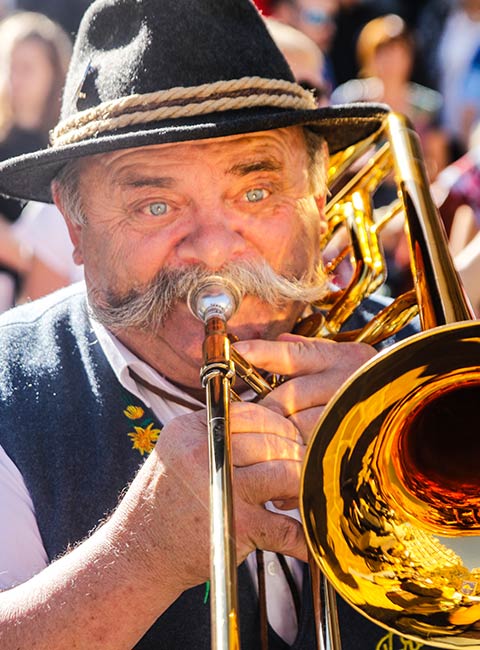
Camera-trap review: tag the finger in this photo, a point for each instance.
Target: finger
(251, 448)
(295, 355)
(273, 532)
(307, 422)
(309, 391)
(275, 480)
(289, 504)
(246, 417)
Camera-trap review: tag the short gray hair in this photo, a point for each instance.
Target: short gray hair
(67, 184)
(317, 151)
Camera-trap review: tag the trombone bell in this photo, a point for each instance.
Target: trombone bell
(391, 488)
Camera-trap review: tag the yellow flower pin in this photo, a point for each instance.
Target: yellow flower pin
(134, 412)
(144, 438)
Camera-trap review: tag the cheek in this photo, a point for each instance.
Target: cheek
(105, 263)
(306, 242)
(283, 239)
(272, 237)
(120, 257)
(312, 223)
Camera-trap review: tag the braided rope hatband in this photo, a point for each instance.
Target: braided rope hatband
(247, 92)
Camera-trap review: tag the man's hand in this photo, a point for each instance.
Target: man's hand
(171, 492)
(268, 442)
(315, 370)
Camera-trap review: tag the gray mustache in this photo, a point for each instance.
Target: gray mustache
(148, 307)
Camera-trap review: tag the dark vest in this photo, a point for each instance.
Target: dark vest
(64, 426)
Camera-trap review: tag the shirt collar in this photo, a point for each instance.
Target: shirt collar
(121, 359)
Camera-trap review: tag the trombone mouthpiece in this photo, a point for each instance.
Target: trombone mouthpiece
(215, 297)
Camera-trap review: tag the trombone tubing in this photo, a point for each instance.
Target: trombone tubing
(216, 376)
(439, 292)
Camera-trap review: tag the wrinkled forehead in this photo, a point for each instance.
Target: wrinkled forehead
(284, 143)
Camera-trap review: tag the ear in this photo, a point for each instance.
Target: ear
(74, 229)
(321, 200)
(323, 161)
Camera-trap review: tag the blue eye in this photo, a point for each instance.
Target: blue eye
(158, 209)
(256, 194)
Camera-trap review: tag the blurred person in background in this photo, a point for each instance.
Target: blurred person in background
(34, 56)
(451, 49)
(303, 56)
(386, 55)
(42, 233)
(352, 16)
(15, 261)
(470, 112)
(316, 19)
(467, 263)
(457, 193)
(38, 247)
(66, 13)
(429, 27)
(285, 11)
(458, 187)
(307, 64)
(6, 7)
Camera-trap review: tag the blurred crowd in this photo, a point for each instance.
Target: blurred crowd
(422, 59)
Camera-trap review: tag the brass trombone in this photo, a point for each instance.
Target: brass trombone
(379, 510)
(390, 493)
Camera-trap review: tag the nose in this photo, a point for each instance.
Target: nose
(212, 243)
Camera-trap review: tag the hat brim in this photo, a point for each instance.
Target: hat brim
(29, 176)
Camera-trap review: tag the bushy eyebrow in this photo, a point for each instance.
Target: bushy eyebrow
(161, 182)
(166, 182)
(243, 169)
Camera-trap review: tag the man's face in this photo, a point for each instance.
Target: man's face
(204, 204)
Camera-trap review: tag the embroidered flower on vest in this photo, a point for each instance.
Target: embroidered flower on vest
(144, 438)
(145, 435)
(134, 412)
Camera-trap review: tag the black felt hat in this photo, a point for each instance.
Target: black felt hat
(156, 71)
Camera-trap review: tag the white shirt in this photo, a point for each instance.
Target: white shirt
(42, 228)
(22, 553)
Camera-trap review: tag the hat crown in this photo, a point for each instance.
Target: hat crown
(128, 47)
(147, 72)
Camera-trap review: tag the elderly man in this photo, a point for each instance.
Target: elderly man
(183, 152)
